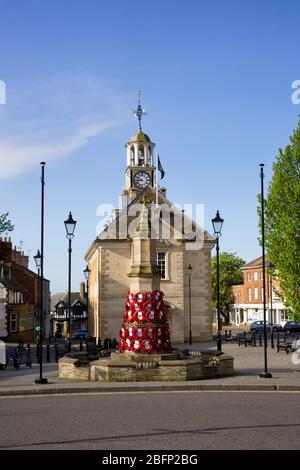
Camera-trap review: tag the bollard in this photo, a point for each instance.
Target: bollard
(48, 352)
(38, 352)
(56, 353)
(277, 342)
(254, 339)
(80, 345)
(260, 340)
(272, 339)
(226, 335)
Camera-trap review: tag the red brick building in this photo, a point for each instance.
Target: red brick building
(19, 295)
(248, 297)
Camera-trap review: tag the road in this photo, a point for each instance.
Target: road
(159, 421)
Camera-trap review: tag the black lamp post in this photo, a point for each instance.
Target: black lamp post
(39, 260)
(86, 273)
(190, 300)
(264, 374)
(70, 225)
(217, 223)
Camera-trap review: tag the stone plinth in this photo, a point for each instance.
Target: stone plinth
(133, 367)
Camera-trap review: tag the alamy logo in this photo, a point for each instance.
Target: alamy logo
(2, 92)
(163, 222)
(2, 354)
(296, 353)
(296, 94)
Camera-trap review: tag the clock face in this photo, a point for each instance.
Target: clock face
(141, 179)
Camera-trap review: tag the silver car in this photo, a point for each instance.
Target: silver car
(257, 326)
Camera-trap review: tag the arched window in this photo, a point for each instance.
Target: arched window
(149, 156)
(132, 156)
(141, 158)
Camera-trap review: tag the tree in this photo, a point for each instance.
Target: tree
(282, 222)
(230, 274)
(5, 224)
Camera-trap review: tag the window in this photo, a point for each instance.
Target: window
(255, 293)
(141, 156)
(249, 276)
(262, 294)
(255, 276)
(161, 263)
(283, 315)
(261, 275)
(13, 322)
(249, 295)
(132, 156)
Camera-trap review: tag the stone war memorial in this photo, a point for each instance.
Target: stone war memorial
(138, 285)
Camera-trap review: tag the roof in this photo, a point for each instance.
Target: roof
(27, 270)
(149, 193)
(64, 297)
(140, 136)
(55, 298)
(12, 284)
(256, 263)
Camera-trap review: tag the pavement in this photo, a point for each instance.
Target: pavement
(248, 363)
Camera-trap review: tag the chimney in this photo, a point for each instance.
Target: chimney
(82, 290)
(5, 249)
(19, 258)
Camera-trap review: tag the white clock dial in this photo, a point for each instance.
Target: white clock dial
(141, 179)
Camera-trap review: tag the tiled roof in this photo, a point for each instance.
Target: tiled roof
(256, 263)
(64, 297)
(12, 284)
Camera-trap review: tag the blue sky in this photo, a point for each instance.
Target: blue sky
(216, 81)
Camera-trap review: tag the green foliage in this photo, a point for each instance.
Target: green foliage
(230, 274)
(282, 221)
(5, 224)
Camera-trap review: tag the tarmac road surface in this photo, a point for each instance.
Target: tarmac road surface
(152, 420)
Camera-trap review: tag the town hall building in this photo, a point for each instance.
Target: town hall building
(175, 243)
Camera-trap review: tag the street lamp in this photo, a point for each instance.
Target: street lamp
(217, 223)
(189, 269)
(70, 225)
(264, 374)
(39, 261)
(86, 273)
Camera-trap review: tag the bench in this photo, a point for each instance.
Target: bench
(247, 339)
(287, 344)
(60, 350)
(92, 350)
(232, 338)
(19, 356)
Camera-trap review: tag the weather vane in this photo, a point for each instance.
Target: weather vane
(139, 112)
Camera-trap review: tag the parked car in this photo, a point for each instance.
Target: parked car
(82, 333)
(291, 326)
(257, 326)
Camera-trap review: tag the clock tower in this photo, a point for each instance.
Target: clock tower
(140, 169)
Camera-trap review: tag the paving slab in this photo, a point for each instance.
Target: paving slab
(248, 363)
